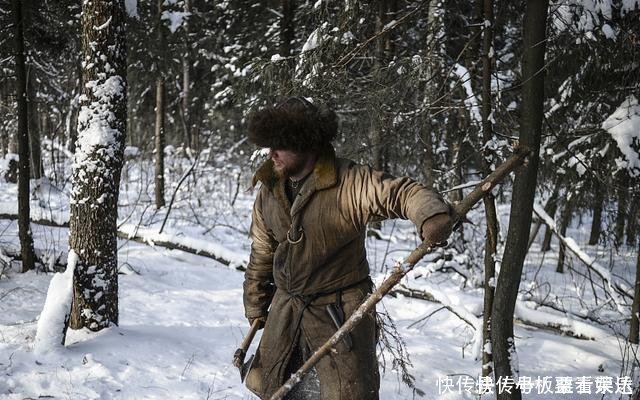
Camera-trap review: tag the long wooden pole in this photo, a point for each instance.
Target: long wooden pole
(402, 268)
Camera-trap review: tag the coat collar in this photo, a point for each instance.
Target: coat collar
(324, 175)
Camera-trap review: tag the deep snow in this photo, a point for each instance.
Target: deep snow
(181, 315)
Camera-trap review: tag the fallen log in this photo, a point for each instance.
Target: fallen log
(146, 236)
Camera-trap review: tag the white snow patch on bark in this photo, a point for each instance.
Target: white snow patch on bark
(57, 307)
(471, 101)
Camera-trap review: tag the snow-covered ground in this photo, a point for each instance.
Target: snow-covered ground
(181, 315)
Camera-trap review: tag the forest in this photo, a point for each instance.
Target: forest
(127, 188)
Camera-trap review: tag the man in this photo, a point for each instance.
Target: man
(308, 256)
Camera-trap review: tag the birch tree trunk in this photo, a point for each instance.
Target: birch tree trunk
(24, 227)
(502, 338)
(97, 166)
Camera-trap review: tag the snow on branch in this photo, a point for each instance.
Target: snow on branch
(624, 127)
(616, 289)
(523, 314)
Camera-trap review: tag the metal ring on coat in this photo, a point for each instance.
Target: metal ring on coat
(295, 241)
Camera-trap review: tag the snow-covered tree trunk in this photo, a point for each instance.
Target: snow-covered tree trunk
(24, 227)
(97, 165)
(491, 243)
(505, 359)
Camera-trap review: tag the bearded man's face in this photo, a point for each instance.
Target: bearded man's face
(287, 163)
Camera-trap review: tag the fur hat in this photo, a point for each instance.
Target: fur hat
(294, 124)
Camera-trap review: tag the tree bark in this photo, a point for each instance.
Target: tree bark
(160, 120)
(491, 216)
(632, 223)
(430, 92)
(550, 207)
(565, 220)
(97, 166)
(635, 307)
(287, 27)
(159, 144)
(185, 99)
(36, 168)
(502, 337)
(621, 216)
(596, 223)
(24, 227)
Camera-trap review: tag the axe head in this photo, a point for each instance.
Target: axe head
(244, 367)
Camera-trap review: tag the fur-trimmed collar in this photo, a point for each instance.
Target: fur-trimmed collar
(325, 173)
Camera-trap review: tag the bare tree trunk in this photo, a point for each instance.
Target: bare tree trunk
(635, 307)
(185, 102)
(632, 223)
(596, 223)
(287, 27)
(621, 215)
(431, 92)
(551, 209)
(491, 243)
(502, 337)
(159, 144)
(36, 168)
(97, 167)
(24, 228)
(565, 220)
(160, 121)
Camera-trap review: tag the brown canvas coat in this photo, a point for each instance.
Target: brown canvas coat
(303, 253)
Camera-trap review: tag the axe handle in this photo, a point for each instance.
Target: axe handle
(241, 352)
(250, 335)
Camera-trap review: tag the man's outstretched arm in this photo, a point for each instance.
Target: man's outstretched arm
(378, 195)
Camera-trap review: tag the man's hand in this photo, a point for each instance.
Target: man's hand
(437, 229)
(261, 320)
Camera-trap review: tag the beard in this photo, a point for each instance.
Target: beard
(287, 170)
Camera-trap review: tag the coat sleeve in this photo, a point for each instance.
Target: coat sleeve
(375, 195)
(258, 287)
